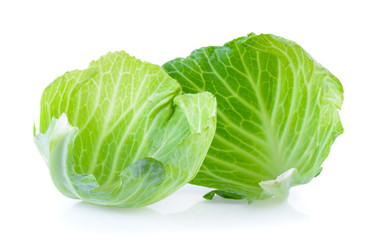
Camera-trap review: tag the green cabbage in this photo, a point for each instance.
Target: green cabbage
(121, 133)
(277, 114)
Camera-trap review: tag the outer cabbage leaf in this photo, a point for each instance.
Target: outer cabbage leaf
(277, 114)
(120, 133)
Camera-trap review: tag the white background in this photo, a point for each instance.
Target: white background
(40, 40)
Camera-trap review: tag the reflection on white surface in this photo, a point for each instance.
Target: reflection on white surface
(179, 213)
(223, 213)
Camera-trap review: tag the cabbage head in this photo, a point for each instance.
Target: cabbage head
(277, 114)
(121, 133)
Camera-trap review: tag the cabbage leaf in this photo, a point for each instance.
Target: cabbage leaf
(277, 114)
(121, 133)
